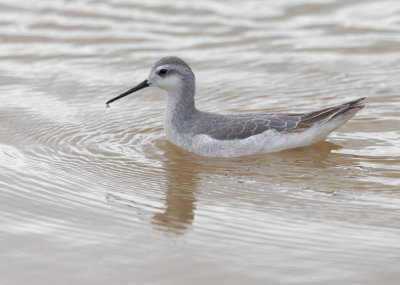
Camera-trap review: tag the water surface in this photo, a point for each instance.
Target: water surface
(90, 196)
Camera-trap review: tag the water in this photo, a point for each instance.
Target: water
(90, 196)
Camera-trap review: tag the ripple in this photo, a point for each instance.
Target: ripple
(81, 182)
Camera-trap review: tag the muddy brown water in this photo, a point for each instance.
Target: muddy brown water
(90, 196)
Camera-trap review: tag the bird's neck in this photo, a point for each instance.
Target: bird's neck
(180, 100)
(180, 110)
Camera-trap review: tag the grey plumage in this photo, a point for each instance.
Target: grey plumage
(241, 126)
(225, 134)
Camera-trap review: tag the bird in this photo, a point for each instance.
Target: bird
(234, 135)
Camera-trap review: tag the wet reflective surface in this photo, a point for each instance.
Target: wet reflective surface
(94, 196)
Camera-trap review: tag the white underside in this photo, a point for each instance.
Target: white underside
(269, 141)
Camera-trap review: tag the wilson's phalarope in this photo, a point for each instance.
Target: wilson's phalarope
(229, 135)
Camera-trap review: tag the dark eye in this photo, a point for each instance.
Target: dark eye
(163, 71)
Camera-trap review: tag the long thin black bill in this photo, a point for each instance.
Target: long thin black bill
(142, 85)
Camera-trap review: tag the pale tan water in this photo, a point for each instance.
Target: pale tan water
(90, 196)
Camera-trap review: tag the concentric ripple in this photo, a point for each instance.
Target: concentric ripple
(90, 196)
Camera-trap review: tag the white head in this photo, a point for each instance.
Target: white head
(169, 73)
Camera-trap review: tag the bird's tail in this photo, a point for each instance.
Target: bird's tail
(347, 110)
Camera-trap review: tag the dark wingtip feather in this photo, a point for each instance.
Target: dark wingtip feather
(350, 108)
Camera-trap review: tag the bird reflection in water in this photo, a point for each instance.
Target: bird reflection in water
(183, 172)
(180, 200)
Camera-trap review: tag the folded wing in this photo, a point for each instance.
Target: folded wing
(246, 125)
